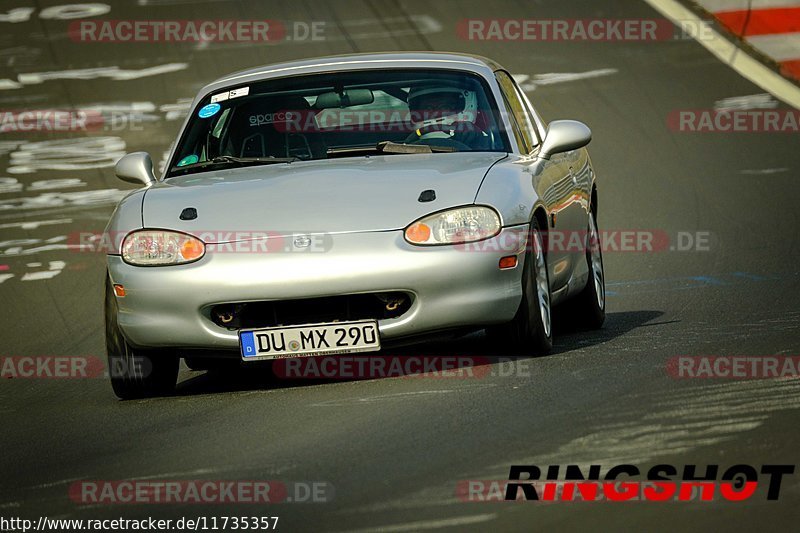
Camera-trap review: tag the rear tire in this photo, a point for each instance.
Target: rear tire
(532, 327)
(590, 304)
(135, 373)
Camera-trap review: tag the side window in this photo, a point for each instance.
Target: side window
(213, 144)
(539, 125)
(223, 118)
(515, 127)
(518, 110)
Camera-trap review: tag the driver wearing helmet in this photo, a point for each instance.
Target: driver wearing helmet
(445, 116)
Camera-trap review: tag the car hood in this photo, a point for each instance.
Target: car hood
(377, 193)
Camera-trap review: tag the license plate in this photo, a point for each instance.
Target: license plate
(309, 340)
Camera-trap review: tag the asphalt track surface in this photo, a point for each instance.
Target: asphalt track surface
(395, 449)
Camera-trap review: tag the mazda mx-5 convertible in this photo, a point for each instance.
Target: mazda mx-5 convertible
(339, 205)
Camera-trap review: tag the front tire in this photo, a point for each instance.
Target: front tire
(590, 304)
(135, 373)
(532, 327)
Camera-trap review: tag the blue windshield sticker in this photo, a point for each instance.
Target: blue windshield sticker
(188, 160)
(208, 111)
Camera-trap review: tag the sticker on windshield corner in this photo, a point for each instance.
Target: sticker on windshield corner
(221, 97)
(236, 93)
(209, 111)
(188, 160)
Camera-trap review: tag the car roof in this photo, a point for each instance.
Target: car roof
(339, 63)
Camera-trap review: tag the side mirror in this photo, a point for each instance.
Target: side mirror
(136, 167)
(563, 136)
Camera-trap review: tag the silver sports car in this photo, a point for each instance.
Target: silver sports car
(339, 205)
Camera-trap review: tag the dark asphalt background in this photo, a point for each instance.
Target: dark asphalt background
(395, 449)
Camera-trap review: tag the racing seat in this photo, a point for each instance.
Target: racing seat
(260, 128)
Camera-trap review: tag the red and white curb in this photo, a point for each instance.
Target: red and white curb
(770, 26)
(726, 48)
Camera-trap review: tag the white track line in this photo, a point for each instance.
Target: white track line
(729, 53)
(779, 46)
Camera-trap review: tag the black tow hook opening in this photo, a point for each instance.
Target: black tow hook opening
(261, 314)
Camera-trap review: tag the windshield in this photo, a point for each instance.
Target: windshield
(349, 114)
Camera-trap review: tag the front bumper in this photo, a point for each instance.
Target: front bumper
(452, 287)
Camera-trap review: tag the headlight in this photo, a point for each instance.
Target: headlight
(455, 226)
(159, 247)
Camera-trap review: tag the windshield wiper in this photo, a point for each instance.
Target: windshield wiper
(390, 147)
(233, 161)
(253, 160)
